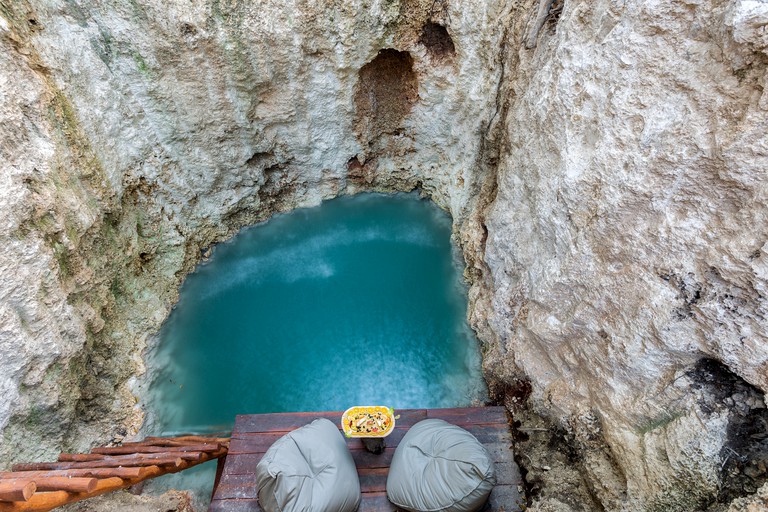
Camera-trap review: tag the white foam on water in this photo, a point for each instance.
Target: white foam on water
(309, 258)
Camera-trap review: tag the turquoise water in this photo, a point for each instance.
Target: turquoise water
(356, 301)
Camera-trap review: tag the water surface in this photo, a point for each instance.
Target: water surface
(357, 301)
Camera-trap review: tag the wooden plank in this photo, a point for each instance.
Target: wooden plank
(260, 442)
(504, 498)
(43, 501)
(219, 472)
(242, 464)
(499, 451)
(279, 422)
(237, 487)
(370, 502)
(250, 505)
(365, 459)
(254, 434)
(254, 443)
(508, 473)
(376, 502)
(471, 415)
(373, 479)
(285, 422)
(180, 441)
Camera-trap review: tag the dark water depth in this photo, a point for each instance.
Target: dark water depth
(357, 301)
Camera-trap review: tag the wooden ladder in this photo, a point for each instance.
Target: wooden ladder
(42, 486)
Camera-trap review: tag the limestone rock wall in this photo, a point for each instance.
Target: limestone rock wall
(136, 134)
(607, 186)
(627, 239)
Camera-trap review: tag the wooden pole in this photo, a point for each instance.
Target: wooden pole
(91, 457)
(44, 501)
(17, 490)
(79, 476)
(192, 438)
(124, 473)
(131, 449)
(57, 483)
(109, 462)
(178, 441)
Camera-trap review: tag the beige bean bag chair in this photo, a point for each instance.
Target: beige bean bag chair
(309, 470)
(439, 467)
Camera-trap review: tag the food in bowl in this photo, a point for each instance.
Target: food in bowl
(368, 421)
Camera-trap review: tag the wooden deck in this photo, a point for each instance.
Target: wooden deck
(236, 490)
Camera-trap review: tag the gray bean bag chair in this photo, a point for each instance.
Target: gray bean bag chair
(439, 467)
(309, 470)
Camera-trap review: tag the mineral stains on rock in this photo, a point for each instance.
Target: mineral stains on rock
(385, 94)
(744, 455)
(437, 41)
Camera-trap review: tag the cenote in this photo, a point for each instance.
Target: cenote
(358, 301)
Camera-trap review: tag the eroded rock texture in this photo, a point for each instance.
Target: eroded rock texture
(606, 176)
(627, 238)
(136, 134)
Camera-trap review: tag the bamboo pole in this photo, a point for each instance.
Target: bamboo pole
(16, 490)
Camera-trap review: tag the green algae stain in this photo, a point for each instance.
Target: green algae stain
(141, 64)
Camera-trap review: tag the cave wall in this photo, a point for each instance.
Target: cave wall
(606, 183)
(137, 134)
(627, 240)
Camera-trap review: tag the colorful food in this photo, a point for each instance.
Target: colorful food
(368, 421)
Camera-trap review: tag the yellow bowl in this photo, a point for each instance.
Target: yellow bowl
(368, 421)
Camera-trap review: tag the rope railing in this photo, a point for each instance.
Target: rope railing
(43, 486)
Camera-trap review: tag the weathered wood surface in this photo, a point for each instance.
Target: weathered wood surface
(42, 486)
(253, 434)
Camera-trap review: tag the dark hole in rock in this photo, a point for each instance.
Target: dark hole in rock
(437, 40)
(511, 394)
(745, 453)
(187, 29)
(259, 158)
(385, 93)
(555, 10)
(354, 163)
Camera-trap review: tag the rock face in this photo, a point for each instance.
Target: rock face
(607, 187)
(627, 239)
(138, 134)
